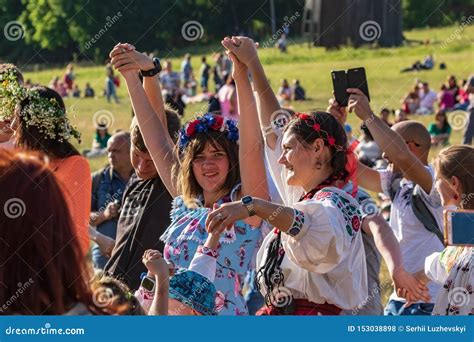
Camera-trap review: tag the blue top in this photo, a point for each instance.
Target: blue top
(236, 249)
(110, 189)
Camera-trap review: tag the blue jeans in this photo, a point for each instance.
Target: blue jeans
(109, 229)
(395, 308)
(110, 90)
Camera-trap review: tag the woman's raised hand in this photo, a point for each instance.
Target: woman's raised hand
(223, 217)
(339, 113)
(124, 58)
(245, 49)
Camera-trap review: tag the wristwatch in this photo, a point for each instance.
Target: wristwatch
(247, 201)
(154, 71)
(148, 283)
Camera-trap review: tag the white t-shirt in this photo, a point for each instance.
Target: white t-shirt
(416, 242)
(427, 100)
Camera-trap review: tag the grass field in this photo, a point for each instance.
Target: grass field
(452, 45)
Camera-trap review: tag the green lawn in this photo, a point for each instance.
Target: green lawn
(452, 45)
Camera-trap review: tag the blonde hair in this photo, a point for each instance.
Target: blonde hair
(458, 161)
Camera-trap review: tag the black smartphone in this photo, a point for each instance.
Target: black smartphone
(340, 84)
(356, 78)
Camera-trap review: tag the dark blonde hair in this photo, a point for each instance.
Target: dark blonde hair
(183, 171)
(173, 123)
(458, 161)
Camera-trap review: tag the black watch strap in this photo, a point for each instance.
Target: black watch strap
(154, 71)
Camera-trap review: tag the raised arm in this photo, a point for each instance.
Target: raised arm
(251, 157)
(391, 143)
(151, 118)
(366, 177)
(246, 51)
(160, 270)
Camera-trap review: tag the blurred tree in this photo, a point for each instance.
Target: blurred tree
(422, 13)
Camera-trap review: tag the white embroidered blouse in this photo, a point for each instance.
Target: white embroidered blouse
(325, 261)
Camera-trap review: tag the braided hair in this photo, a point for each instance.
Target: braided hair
(307, 127)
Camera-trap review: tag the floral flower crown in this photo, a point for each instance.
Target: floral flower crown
(48, 117)
(44, 114)
(11, 93)
(329, 140)
(207, 123)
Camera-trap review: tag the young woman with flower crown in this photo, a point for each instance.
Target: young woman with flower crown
(211, 169)
(313, 263)
(41, 124)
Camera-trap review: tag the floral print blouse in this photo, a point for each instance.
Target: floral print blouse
(236, 249)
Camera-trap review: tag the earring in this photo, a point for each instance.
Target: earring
(319, 165)
(456, 197)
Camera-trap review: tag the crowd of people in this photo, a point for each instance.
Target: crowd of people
(454, 96)
(230, 213)
(423, 100)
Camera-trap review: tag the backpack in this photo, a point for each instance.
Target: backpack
(420, 209)
(424, 215)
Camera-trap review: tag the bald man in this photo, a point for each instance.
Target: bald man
(406, 145)
(108, 186)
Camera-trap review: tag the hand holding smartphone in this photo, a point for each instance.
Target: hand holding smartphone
(352, 78)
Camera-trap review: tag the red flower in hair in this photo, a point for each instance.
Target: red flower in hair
(303, 116)
(317, 127)
(331, 141)
(191, 129)
(219, 120)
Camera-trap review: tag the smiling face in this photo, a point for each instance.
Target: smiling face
(299, 160)
(142, 163)
(211, 167)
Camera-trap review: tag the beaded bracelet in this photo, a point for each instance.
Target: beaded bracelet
(208, 251)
